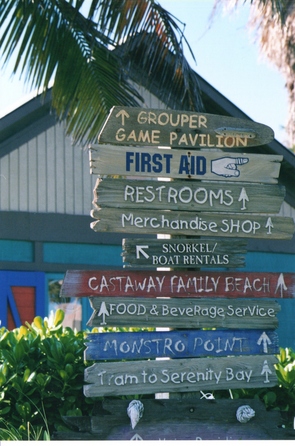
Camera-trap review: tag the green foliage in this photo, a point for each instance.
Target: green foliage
(41, 378)
(94, 50)
(280, 397)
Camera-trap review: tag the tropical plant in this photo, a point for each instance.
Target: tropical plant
(41, 378)
(93, 51)
(273, 22)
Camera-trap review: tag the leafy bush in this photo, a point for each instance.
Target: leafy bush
(41, 377)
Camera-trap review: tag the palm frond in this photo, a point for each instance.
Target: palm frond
(92, 55)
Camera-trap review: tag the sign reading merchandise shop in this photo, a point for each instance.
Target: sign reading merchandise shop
(222, 324)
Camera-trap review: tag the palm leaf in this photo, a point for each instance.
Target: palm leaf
(93, 55)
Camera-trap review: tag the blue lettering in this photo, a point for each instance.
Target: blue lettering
(184, 165)
(168, 158)
(145, 162)
(201, 165)
(129, 160)
(157, 158)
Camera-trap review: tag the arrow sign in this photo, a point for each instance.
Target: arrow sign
(180, 313)
(140, 251)
(104, 312)
(266, 371)
(269, 225)
(192, 223)
(123, 114)
(243, 197)
(195, 284)
(265, 341)
(210, 196)
(179, 375)
(179, 344)
(281, 285)
(181, 129)
(183, 253)
(185, 164)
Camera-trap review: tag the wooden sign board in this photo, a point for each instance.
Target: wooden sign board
(142, 126)
(179, 344)
(184, 313)
(179, 375)
(119, 283)
(183, 253)
(198, 165)
(190, 223)
(183, 419)
(192, 196)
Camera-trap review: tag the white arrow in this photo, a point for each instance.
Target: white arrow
(269, 225)
(104, 312)
(136, 437)
(243, 197)
(281, 284)
(264, 339)
(123, 114)
(140, 250)
(266, 371)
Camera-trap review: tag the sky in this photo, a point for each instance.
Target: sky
(226, 57)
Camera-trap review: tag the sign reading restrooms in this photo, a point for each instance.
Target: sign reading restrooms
(227, 197)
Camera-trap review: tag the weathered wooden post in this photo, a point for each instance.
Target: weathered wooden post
(236, 199)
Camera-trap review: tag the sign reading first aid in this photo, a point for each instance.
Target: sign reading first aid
(183, 129)
(106, 159)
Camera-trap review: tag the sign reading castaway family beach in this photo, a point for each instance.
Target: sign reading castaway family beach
(119, 283)
(154, 127)
(226, 320)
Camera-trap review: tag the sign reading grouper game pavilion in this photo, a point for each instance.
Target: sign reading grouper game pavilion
(229, 194)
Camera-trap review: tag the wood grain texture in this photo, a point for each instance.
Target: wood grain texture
(189, 419)
(122, 283)
(179, 344)
(152, 162)
(141, 126)
(184, 313)
(183, 253)
(177, 419)
(179, 375)
(189, 196)
(192, 223)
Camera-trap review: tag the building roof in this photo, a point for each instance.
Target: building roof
(36, 116)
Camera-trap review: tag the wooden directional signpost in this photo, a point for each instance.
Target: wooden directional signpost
(204, 165)
(189, 196)
(224, 321)
(153, 127)
(183, 253)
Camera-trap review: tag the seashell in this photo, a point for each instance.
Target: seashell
(245, 413)
(135, 412)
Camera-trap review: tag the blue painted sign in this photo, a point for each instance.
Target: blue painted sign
(180, 344)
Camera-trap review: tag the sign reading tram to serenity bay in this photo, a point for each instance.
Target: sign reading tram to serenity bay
(186, 164)
(139, 126)
(187, 375)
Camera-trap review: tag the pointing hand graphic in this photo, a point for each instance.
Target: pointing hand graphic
(227, 166)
